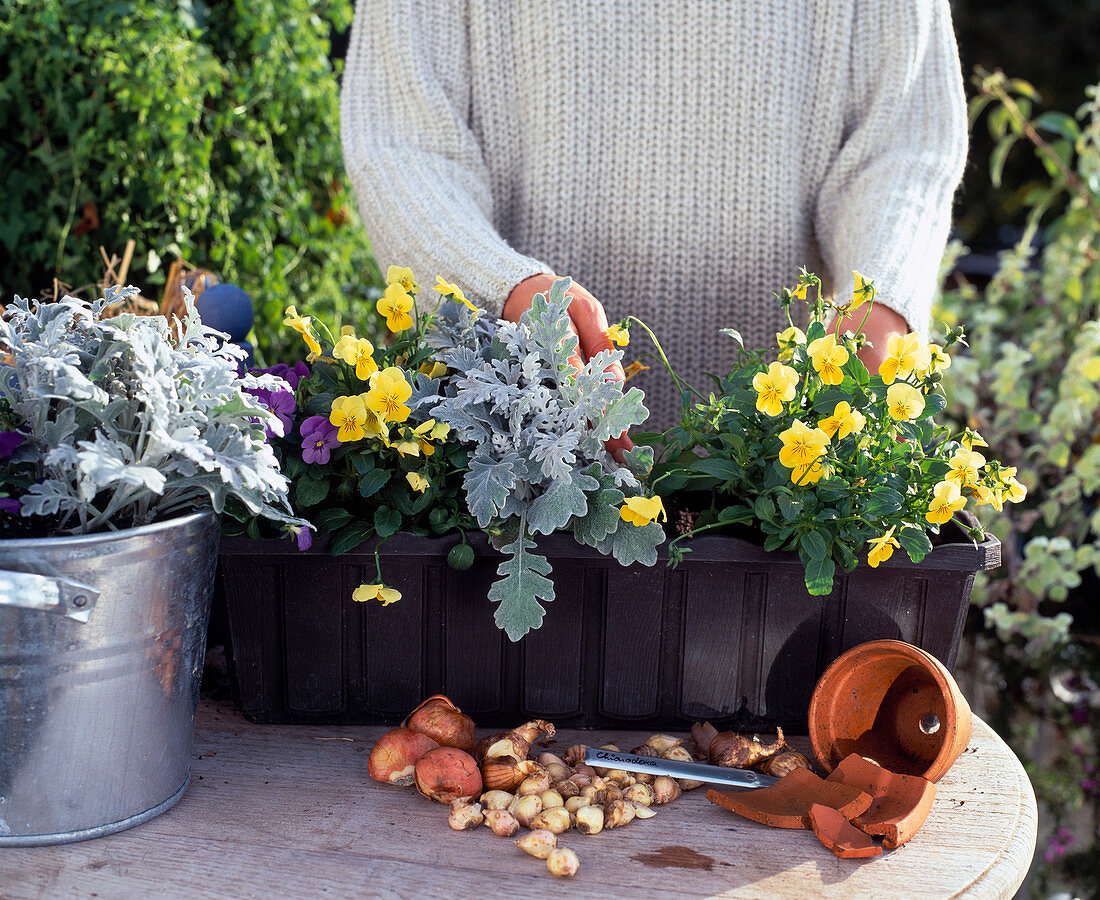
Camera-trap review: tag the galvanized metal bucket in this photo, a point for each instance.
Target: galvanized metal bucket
(102, 640)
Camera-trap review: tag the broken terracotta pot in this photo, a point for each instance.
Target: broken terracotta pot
(899, 803)
(840, 836)
(893, 703)
(787, 803)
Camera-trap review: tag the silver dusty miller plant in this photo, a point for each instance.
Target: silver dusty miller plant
(118, 423)
(536, 431)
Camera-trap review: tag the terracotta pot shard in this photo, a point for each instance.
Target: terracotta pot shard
(787, 803)
(899, 804)
(836, 833)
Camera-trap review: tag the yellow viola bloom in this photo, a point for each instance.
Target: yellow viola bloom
(812, 473)
(802, 448)
(774, 388)
(417, 481)
(972, 439)
(618, 335)
(633, 369)
(446, 289)
(938, 361)
(964, 464)
(843, 422)
(295, 321)
(947, 499)
(828, 356)
(394, 305)
(642, 510)
(904, 401)
(433, 369)
(904, 354)
(387, 395)
(403, 276)
(882, 548)
(349, 415)
(366, 592)
(422, 434)
(788, 340)
(405, 447)
(358, 352)
(799, 291)
(440, 430)
(864, 291)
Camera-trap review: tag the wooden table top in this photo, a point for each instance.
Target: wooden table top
(288, 811)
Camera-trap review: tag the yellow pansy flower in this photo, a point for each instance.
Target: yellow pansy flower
(863, 292)
(904, 354)
(395, 304)
(642, 510)
(946, 500)
(405, 446)
(403, 276)
(366, 592)
(827, 357)
(440, 430)
(358, 352)
(802, 452)
(799, 291)
(417, 481)
(843, 422)
(774, 388)
(788, 340)
(423, 436)
(387, 395)
(904, 401)
(447, 289)
(433, 369)
(964, 465)
(882, 548)
(938, 361)
(295, 321)
(349, 415)
(618, 335)
(972, 439)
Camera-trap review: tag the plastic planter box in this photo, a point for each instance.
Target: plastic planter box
(730, 635)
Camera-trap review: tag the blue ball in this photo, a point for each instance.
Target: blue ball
(227, 308)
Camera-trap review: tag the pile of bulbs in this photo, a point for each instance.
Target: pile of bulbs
(496, 783)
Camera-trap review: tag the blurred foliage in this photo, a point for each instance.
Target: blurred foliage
(1052, 44)
(1030, 384)
(205, 130)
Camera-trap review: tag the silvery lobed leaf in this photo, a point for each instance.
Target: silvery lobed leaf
(523, 583)
(633, 543)
(557, 505)
(488, 484)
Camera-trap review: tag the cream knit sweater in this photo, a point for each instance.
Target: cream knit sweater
(679, 158)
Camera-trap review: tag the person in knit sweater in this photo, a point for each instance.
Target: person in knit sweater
(679, 159)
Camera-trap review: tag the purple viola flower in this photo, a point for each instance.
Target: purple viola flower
(290, 374)
(9, 505)
(296, 373)
(281, 403)
(9, 441)
(304, 536)
(318, 440)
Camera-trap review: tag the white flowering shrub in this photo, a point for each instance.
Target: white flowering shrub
(108, 423)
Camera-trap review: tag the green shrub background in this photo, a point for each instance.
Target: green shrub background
(203, 130)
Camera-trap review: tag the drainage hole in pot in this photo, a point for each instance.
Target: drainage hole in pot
(930, 724)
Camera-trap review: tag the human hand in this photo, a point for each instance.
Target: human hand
(587, 320)
(882, 324)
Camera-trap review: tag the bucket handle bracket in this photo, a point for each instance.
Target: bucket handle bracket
(61, 596)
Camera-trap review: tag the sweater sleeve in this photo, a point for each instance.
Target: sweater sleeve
(885, 205)
(420, 179)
